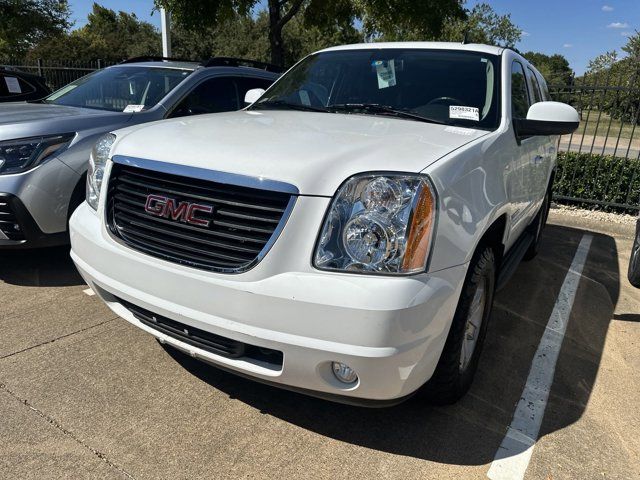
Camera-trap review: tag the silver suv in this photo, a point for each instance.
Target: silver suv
(45, 145)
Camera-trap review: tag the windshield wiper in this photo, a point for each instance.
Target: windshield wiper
(379, 109)
(276, 104)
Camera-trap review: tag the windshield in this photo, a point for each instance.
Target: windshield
(440, 86)
(118, 89)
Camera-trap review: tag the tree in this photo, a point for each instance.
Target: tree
(378, 17)
(554, 68)
(119, 35)
(602, 62)
(248, 37)
(483, 25)
(612, 70)
(243, 37)
(27, 22)
(632, 47)
(407, 19)
(107, 35)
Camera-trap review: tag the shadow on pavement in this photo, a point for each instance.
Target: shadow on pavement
(470, 432)
(47, 267)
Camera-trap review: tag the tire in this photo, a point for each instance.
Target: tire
(634, 262)
(77, 197)
(537, 228)
(459, 360)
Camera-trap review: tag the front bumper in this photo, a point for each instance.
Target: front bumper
(391, 331)
(34, 206)
(18, 229)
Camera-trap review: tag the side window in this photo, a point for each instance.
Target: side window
(535, 86)
(214, 95)
(3, 87)
(248, 83)
(25, 86)
(545, 89)
(12, 85)
(519, 95)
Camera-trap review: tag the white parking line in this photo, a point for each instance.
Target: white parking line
(89, 292)
(512, 458)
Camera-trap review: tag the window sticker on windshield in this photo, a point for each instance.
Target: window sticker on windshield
(133, 108)
(12, 85)
(464, 113)
(304, 97)
(386, 72)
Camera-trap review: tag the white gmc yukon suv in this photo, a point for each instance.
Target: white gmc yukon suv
(344, 235)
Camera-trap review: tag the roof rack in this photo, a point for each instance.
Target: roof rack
(241, 62)
(152, 58)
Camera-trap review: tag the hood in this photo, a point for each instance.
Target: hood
(21, 119)
(315, 152)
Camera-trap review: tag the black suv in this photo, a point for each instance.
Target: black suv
(16, 86)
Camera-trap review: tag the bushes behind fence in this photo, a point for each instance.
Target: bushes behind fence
(612, 182)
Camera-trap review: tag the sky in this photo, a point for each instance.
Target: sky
(578, 29)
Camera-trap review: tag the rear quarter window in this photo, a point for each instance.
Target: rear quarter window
(535, 87)
(546, 96)
(10, 80)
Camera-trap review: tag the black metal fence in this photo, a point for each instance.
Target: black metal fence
(58, 73)
(599, 164)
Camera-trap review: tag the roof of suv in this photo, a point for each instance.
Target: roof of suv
(468, 47)
(229, 62)
(162, 64)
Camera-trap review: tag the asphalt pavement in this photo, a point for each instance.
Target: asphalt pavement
(83, 394)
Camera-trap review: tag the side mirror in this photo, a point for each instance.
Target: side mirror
(253, 95)
(548, 118)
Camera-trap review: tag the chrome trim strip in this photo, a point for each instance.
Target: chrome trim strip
(214, 176)
(206, 174)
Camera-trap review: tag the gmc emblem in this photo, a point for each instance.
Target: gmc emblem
(185, 212)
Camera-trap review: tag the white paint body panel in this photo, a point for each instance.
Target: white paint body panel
(468, 47)
(391, 330)
(553, 111)
(384, 328)
(316, 152)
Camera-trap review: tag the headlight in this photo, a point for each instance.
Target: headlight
(97, 161)
(379, 224)
(18, 156)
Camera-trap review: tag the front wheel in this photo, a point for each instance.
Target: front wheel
(459, 360)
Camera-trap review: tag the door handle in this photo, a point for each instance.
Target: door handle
(537, 160)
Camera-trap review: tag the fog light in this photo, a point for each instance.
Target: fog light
(344, 373)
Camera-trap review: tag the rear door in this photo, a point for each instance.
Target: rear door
(540, 168)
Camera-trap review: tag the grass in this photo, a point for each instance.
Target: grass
(626, 130)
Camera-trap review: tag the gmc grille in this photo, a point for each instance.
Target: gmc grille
(241, 227)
